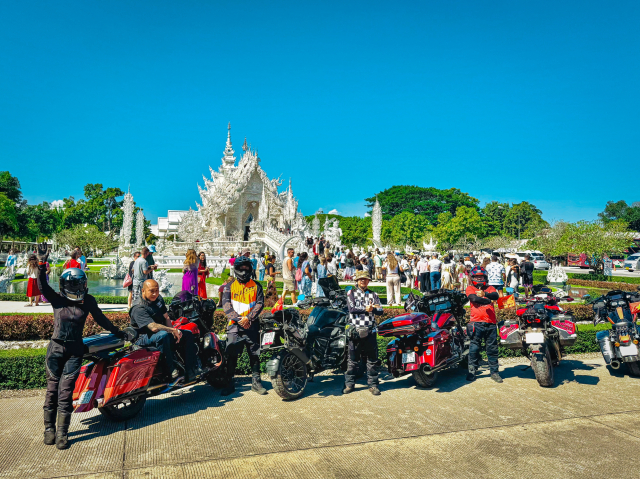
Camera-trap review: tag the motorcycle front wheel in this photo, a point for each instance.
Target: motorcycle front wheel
(123, 411)
(291, 377)
(634, 368)
(543, 369)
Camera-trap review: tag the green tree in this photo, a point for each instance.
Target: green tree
(493, 216)
(467, 222)
(620, 210)
(523, 220)
(594, 238)
(547, 239)
(8, 216)
(404, 229)
(36, 221)
(88, 237)
(10, 187)
(426, 202)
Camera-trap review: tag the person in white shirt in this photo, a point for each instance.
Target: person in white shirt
(496, 274)
(435, 265)
(406, 267)
(423, 274)
(393, 280)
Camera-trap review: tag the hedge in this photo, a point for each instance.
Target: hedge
(609, 285)
(541, 276)
(99, 299)
(25, 368)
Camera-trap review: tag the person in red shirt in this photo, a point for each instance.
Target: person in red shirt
(482, 324)
(73, 262)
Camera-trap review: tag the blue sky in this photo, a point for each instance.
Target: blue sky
(511, 101)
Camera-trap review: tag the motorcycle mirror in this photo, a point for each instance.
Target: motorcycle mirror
(130, 334)
(568, 299)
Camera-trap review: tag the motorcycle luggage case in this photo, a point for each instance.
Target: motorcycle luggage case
(404, 324)
(566, 329)
(510, 337)
(101, 342)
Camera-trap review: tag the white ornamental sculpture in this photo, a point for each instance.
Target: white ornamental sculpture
(557, 275)
(376, 222)
(139, 229)
(315, 226)
(334, 234)
(190, 228)
(327, 226)
(127, 222)
(163, 282)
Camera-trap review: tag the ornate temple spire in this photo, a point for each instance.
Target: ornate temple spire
(245, 147)
(228, 160)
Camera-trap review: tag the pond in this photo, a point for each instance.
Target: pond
(100, 286)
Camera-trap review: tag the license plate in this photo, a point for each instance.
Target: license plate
(85, 397)
(534, 338)
(408, 358)
(630, 350)
(267, 338)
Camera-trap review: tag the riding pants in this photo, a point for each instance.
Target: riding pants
(477, 332)
(363, 347)
(63, 363)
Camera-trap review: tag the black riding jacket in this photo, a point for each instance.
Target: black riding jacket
(69, 316)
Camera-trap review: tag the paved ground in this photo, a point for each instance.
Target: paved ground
(587, 426)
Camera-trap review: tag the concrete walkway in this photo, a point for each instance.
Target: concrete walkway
(588, 426)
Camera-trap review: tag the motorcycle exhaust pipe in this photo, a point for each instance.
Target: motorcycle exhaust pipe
(615, 364)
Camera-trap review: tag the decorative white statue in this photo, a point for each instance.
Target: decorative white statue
(556, 274)
(139, 229)
(117, 268)
(127, 221)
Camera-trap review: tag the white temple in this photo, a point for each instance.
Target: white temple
(238, 204)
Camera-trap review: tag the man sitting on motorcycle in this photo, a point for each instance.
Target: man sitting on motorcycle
(363, 305)
(242, 302)
(150, 317)
(482, 324)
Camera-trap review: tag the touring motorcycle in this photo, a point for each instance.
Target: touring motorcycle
(542, 331)
(118, 379)
(619, 344)
(429, 338)
(305, 348)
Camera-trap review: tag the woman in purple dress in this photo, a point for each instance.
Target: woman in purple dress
(190, 273)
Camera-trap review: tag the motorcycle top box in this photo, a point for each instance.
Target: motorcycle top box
(404, 324)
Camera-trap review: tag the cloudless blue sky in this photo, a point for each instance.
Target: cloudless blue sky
(508, 101)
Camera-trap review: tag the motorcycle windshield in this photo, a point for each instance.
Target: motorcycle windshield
(329, 284)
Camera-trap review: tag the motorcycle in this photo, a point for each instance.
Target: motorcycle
(619, 344)
(542, 331)
(429, 338)
(118, 379)
(303, 349)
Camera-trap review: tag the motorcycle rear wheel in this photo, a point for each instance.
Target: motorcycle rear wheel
(634, 368)
(543, 369)
(125, 410)
(423, 379)
(291, 377)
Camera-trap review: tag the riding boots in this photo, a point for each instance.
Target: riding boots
(64, 419)
(50, 426)
(256, 385)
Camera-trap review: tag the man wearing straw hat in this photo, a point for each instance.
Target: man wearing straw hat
(363, 305)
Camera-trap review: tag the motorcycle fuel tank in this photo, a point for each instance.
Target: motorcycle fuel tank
(101, 342)
(404, 324)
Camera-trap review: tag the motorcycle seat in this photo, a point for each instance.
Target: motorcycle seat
(135, 347)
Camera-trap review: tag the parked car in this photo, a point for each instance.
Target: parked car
(632, 262)
(540, 263)
(618, 260)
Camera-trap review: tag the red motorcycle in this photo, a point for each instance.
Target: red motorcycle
(542, 332)
(429, 338)
(119, 379)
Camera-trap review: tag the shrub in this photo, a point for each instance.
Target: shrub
(22, 369)
(609, 285)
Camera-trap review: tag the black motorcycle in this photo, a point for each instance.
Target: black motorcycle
(619, 344)
(305, 348)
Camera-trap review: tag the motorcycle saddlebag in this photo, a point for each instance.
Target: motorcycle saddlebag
(566, 329)
(605, 346)
(510, 337)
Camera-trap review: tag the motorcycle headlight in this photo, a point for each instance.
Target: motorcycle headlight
(207, 341)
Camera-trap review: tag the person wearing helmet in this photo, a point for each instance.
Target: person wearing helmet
(242, 302)
(482, 324)
(64, 354)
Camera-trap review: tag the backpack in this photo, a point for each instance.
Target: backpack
(299, 274)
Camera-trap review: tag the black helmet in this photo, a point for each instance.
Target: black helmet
(73, 284)
(243, 275)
